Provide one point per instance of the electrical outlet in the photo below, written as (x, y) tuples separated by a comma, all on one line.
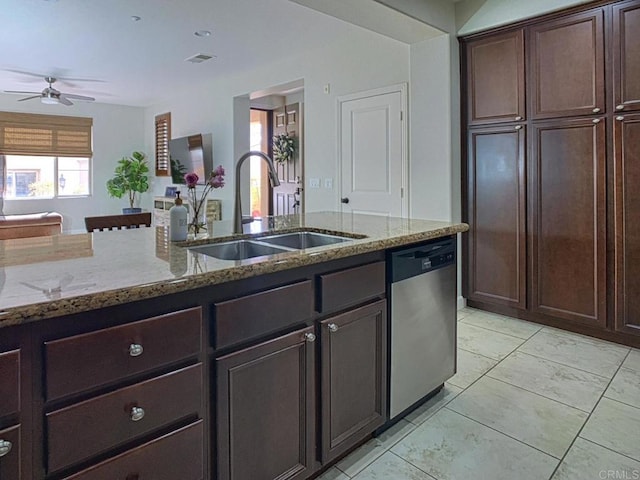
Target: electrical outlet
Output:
[(328, 183), (327, 88), (314, 183)]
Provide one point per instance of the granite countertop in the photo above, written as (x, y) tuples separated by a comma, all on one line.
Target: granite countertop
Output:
[(45, 277)]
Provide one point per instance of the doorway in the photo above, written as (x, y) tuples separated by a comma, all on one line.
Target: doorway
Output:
[(260, 131)]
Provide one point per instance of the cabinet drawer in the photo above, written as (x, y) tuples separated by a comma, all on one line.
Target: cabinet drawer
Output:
[(94, 426), (244, 318), (10, 461), (350, 287), (9, 383), (98, 358), (178, 455)]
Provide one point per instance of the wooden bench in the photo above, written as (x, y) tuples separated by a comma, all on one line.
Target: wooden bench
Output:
[(118, 222), (30, 225)]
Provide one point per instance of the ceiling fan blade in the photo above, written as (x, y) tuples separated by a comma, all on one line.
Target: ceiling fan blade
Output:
[(21, 93), (78, 97), (29, 98), (57, 73), (65, 101)]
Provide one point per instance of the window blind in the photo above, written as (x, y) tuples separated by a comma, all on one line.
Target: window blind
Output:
[(55, 135), (163, 135)]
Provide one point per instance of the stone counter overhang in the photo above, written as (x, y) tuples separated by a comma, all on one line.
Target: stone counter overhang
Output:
[(46, 277)]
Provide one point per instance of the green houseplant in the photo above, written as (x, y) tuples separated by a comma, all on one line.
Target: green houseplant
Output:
[(130, 177)]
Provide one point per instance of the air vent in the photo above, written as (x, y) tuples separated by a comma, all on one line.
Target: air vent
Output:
[(199, 58)]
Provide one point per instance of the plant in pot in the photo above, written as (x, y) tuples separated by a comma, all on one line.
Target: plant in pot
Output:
[(130, 178)]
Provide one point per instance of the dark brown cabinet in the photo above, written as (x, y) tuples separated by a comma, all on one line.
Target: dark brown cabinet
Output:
[(627, 220), (495, 79), (566, 66), (626, 61), (353, 378), (568, 230), (266, 410), (497, 206)]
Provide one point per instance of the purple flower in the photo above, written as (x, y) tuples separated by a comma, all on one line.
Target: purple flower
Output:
[(191, 179), (216, 182), (219, 171)]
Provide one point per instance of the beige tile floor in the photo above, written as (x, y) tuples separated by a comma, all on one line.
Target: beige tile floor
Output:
[(528, 403)]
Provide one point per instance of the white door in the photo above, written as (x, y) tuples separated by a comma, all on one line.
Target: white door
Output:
[(373, 152)]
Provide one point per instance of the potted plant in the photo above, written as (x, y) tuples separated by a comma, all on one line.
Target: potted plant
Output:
[(130, 177)]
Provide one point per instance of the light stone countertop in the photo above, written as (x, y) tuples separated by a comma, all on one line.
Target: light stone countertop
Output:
[(46, 277)]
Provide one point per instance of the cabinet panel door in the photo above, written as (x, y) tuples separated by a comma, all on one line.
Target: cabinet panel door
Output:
[(566, 64), (626, 61), (497, 216), (354, 392), (495, 79), (568, 231), (266, 410), (627, 219), (10, 461)]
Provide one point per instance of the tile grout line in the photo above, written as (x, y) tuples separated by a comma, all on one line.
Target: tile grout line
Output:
[(479, 354), (621, 403), (609, 449), (589, 417), (502, 433), (501, 333), (561, 364), (414, 466)]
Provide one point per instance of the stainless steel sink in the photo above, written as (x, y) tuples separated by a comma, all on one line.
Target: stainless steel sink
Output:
[(237, 250), (303, 240)]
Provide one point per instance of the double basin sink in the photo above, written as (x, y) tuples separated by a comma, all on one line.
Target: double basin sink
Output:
[(269, 245)]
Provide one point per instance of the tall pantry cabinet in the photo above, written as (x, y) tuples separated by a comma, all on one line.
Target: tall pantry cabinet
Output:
[(552, 158)]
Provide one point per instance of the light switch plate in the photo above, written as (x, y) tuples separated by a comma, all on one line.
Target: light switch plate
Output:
[(328, 183), (314, 183)]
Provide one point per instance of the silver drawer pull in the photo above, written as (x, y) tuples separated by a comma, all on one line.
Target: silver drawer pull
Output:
[(332, 327), (518, 118), (596, 120), (135, 350), (596, 110), (137, 414), (620, 107), (5, 447), (518, 127), (310, 337), (620, 118)]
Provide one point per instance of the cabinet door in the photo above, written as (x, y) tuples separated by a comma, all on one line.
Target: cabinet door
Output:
[(627, 220), (567, 230), (353, 385), (266, 410), (496, 270), (495, 79), (626, 61), (566, 65)]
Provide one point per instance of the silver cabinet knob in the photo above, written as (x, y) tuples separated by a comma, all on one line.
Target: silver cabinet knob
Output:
[(135, 350), (596, 110), (518, 127), (518, 118), (619, 118), (596, 120), (137, 414), (620, 107), (332, 327), (310, 337), (5, 447)]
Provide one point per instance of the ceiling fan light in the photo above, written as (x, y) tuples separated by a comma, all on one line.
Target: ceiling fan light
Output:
[(49, 100)]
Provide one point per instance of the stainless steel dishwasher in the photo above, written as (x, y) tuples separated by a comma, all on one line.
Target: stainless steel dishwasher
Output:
[(423, 322)]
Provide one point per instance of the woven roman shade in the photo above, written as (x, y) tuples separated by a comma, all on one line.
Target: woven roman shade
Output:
[(33, 134), (163, 135)]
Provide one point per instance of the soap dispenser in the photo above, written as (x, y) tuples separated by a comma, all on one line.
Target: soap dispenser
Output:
[(178, 221)]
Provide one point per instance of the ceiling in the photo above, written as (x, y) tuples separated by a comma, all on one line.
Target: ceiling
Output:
[(125, 62)]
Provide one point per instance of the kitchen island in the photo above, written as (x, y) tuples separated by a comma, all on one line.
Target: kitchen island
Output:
[(129, 356)]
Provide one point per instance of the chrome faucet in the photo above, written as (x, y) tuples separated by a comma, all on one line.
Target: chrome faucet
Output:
[(273, 179)]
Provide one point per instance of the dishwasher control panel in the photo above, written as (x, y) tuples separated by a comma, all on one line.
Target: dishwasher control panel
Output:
[(423, 258)]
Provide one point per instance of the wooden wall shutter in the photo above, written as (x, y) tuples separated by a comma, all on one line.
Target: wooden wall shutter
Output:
[(34, 134), (163, 135)]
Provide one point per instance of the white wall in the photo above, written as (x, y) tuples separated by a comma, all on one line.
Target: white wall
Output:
[(476, 15), (347, 57), (117, 132)]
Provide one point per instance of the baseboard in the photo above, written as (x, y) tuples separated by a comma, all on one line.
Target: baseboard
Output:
[(462, 302)]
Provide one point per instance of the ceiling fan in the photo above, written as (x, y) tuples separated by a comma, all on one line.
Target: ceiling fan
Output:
[(51, 96)]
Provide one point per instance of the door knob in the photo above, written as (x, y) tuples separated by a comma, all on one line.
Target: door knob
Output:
[(345, 200)]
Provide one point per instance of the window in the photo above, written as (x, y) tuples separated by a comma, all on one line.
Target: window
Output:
[(46, 177), (45, 156), (163, 135)]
